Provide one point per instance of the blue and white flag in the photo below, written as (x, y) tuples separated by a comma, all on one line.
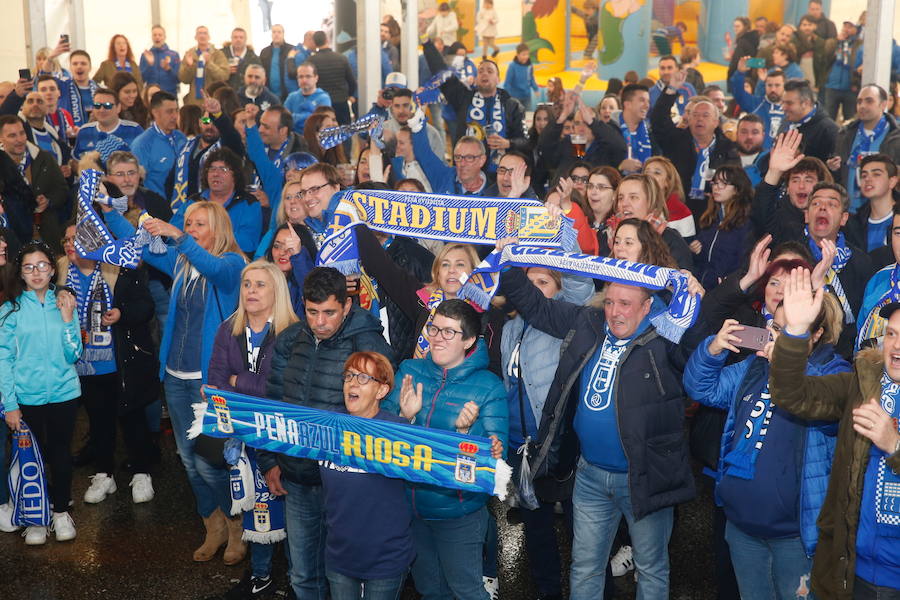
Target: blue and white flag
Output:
[(684, 308), (27, 480), (418, 454)]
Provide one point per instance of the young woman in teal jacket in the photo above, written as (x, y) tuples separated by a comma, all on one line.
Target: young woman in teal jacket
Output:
[(40, 341), (205, 264)]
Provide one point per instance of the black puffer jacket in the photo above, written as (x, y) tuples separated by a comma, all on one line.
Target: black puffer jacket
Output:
[(416, 260), (309, 373), (819, 134), (648, 396)]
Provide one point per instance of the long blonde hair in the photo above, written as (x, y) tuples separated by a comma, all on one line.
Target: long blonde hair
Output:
[(220, 223), (282, 312)]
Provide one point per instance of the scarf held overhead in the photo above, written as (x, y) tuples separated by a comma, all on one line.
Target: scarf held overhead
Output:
[(418, 454), (332, 136), (683, 310)]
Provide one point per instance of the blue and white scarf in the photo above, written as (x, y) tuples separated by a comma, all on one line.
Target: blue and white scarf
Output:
[(776, 117), (430, 91), (418, 454), (332, 136), (97, 337), (183, 168), (460, 219), (873, 323), (477, 118), (27, 480), (199, 75), (671, 324), (263, 512), (804, 120), (844, 253), (741, 460), (80, 113), (887, 483), (639, 146), (764, 311), (698, 179), (169, 137), (864, 143)]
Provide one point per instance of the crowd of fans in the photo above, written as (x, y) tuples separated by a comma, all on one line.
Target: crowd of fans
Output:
[(775, 196)]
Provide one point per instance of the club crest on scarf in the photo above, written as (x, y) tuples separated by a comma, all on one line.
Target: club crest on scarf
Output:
[(27, 480)]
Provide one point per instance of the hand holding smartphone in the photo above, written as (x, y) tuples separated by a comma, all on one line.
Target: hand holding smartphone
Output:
[(753, 338)]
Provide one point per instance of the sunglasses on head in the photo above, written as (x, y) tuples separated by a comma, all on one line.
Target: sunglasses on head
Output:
[(106, 105)]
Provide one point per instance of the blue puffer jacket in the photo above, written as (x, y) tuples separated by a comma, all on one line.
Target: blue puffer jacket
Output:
[(443, 395), (223, 278), (38, 351), (708, 383)]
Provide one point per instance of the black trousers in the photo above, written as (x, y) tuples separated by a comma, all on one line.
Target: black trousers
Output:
[(99, 396), (52, 425)]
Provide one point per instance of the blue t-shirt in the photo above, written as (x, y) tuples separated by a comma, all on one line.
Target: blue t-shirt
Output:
[(87, 99), (368, 520), (90, 135), (876, 234)]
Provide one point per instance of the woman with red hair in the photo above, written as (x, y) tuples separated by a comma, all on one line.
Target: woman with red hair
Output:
[(119, 58)]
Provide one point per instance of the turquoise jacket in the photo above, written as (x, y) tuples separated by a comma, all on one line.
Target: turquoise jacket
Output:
[(38, 352)]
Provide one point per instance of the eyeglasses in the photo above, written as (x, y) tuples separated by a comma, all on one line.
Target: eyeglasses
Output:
[(504, 170), (311, 190), (598, 186), (458, 158), (106, 105), (42, 267), (67, 240), (362, 378), (205, 120), (446, 332), (124, 174), (579, 178), (297, 196), (220, 168)]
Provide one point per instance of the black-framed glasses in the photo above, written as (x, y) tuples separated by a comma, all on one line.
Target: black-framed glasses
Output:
[(504, 170), (599, 186), (447, 333), (466, 157), (42, 267), (106, 105), (311, 190), (361, 378)]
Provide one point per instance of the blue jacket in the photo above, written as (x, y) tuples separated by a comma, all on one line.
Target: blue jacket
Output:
[(840, 75), (38, 352), (707, 382), (158, 157), (166, 80), (302, 106), (443, 396), (441, 176), (519, 80), (222, 275), (723, 252), (756, 103), (245, 213)]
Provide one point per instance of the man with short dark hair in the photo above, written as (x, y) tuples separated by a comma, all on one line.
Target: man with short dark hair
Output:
[(77, 92), (667, 67), (868, 227), (42, 134), (105, 124), (750, 141), (308, 96), (801, 112), (767, 106), (400, 109), (159, 146), (254, 90), (873, 130), (825, 28), (59, 118), (307, 369), (335, 77), (239, 56), (274, 58), (632, 124)]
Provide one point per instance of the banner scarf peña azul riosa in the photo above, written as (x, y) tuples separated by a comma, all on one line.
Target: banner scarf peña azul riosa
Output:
[(418, 454)]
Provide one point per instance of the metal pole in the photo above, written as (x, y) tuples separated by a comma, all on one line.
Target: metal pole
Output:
[(410, 43), (878, 43)]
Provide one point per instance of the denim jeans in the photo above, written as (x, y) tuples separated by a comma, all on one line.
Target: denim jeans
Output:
[(449, 557), (210, 484), (261, 556), (599, 501), (863, 590), (765, 569), (305, 522), (351, 588)]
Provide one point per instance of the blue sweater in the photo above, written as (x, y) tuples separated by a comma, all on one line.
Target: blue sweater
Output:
[(302, 106), (38, 352), (157, 156), (708, 381), (520, 79), (222, 276)]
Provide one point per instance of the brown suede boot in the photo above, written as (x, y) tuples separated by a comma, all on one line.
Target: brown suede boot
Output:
[(236, 549), (216, 536)]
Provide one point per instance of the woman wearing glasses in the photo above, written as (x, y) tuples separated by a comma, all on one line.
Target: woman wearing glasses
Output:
[(368, 545), (601, 200), (205, 264), (40, 342), (240, 362), (451, 389)]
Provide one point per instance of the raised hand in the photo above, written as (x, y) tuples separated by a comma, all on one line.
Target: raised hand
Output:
[(587, 71), (568, 107), (785, 153), (252, 111), (565, 187), (410, 398), (759, 260), (801, 305), (820, 271), (466, 417), (871, 421), (65, 302), (292, 244), (504, 242), (210, 104), (148, 56), (520, 181), (679, 77), (160, 227), (496, 447), (725, 339), (742, 64), (695, 288)]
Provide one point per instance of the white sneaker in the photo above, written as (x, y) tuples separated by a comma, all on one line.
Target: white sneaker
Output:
[(492, 587), (35, 536), (141, 488), (63, 526), (101, 486), (6, 518), (622, 562)]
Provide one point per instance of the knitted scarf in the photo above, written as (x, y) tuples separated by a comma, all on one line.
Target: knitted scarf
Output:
[(92, 303), (873, 324), (844, 253)]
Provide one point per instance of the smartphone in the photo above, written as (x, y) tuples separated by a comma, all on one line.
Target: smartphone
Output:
[(64, 38), (754, 338), (756, 63), (25, 74)]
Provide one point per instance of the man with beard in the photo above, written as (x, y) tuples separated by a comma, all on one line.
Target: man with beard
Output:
[(240, 56), (750, 141), (255, 91), (41, 133), (401, 108), (768, 107)]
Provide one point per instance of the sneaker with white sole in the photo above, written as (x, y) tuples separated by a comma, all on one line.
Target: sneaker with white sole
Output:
[(101, 486), (622, 562), (35, 536), (6, 518), (141, 488), (63, 526), (492, 587)]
